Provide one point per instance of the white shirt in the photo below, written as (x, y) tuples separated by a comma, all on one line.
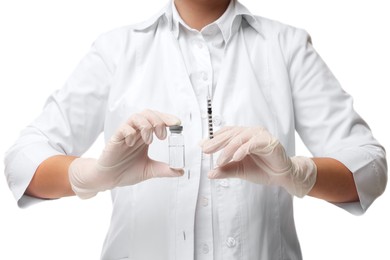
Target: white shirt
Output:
[(270, 76), (203, 53)]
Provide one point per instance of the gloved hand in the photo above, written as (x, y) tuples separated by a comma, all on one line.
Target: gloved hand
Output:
[(253, 154), (124, 160)]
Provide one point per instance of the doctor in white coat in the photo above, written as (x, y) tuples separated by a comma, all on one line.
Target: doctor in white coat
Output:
[(266, 82)]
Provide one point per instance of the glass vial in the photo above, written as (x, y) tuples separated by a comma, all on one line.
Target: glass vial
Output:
[(176, 147)]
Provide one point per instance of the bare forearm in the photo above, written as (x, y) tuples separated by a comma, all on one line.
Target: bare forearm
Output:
[(51, 180), (334, 183)]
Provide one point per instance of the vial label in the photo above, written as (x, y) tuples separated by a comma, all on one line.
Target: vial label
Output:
[(176, 156)]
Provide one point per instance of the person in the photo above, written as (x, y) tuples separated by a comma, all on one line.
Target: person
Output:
[(266, 82)]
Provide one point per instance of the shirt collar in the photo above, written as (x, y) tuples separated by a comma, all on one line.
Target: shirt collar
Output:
[(228, 23)]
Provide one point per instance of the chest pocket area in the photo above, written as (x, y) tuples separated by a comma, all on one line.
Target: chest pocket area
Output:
[(242, 96)]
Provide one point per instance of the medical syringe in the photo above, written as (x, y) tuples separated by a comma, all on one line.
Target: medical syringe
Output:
[(210, 126)]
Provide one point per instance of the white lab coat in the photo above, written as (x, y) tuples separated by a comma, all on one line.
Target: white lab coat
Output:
[(271, 77)]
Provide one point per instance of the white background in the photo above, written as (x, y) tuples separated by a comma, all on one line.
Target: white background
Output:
[(42, 41)]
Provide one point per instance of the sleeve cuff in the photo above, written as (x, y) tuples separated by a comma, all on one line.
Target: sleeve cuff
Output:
[(369, 173), (22, 167)]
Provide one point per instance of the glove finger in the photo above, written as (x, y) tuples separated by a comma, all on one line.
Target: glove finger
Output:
[(140, 123), (271, 151), (247, 170), (124, 133), (159, 126), (230, 170), (157, 169), (219, 132), (254, 145), (168, 119), (220, 140), (263, 143), (235, 145), (224, 129), (130, 135)]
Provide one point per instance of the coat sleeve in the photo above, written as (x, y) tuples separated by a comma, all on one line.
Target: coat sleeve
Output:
[(328, 124), (71, 120)]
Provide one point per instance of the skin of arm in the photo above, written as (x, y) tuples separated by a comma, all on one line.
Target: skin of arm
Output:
[(51, 180), (334, 181)]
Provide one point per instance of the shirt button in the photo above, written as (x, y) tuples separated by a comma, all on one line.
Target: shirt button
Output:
[(217, 120), (199, 44), (205, 76), (205, 249), (224, 183), (205, 202), (230, 242)]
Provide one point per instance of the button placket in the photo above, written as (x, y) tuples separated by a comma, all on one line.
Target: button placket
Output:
[(231, 242), (205, 76), (224, 183), (217, 120), (201, 75), (205, 249), (205, 201), (198, 42)]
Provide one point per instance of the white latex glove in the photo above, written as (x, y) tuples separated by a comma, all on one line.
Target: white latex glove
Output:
[(253, 154), (124, 161)]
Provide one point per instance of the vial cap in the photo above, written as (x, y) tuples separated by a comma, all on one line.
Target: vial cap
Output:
[(176, 129)]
